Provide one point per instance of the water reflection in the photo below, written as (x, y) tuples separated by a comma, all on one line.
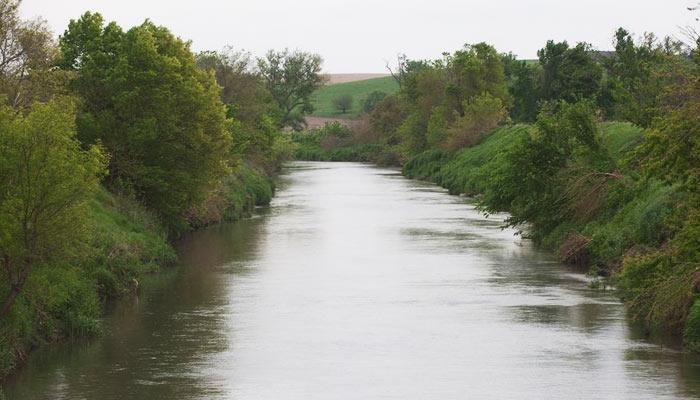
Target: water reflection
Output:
[(358, 283)]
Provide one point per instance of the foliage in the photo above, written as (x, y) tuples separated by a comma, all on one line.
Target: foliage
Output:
[(569, 73), (343, 103), (46, 179), (371, 101), (27, 51), (62, 298), (523, 85), (482, 115), (157, 114), (291, 78), (333, 142), (639, 73)]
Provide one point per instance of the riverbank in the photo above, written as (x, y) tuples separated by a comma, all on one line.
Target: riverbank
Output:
[(354, 266), (66, 300), (592, 207)]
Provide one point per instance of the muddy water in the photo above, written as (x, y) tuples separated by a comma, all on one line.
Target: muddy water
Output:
[(360, 284)]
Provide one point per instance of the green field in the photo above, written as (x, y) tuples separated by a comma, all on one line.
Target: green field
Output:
[(323, 98)]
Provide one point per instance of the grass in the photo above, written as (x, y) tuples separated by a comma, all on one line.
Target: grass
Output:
[(463, 172), (64, 299), (323, 97)]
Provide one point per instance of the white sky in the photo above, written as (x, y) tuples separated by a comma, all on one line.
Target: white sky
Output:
[(362, 35)]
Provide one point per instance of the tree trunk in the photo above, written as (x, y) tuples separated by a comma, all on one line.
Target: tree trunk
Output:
[(15, 290), (10, 301)]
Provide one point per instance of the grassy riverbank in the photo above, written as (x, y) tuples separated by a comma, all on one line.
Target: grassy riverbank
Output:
[(595, 209), (593, 155), (66, 300)]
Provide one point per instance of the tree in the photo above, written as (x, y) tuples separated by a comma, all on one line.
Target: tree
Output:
[(372, 99), (158, 114), (639, 73), (291, 78), (248, 103), (343, 103), (475, 70), (522, 79), (569, 74), (46, 180), (481, 115), (387, 117), (27, 51), (529, 181)]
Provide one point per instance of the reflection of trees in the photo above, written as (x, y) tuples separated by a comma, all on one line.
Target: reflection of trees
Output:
[(158, 344)]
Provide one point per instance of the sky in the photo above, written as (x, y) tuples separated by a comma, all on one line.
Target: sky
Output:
[(362, 36)]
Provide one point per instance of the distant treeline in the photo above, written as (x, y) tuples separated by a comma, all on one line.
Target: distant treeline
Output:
[(596, 154), (113, 142)]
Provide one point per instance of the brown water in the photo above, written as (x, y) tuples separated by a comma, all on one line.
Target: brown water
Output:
[(360, 284)]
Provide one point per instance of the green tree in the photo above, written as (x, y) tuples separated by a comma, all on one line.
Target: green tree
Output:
[(291, 78), (475, 70), (27, 51), (248, 103), (639, 73), (343, 103), (523, 80), (158, 115), (371, 101), (47, 180), (482, 114), (569, 73), (387, 117), (529, 183)]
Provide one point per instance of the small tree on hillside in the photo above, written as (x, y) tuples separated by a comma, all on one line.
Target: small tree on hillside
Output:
[(343, 103), (372, 100)]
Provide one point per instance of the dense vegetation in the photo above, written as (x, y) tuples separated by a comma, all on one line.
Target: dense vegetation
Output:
[(591, 153), (114, 142)]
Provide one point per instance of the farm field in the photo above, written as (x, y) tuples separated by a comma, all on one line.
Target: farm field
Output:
[(323, 98)]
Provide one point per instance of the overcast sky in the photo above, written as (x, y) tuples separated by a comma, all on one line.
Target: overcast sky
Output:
[(362, 35)]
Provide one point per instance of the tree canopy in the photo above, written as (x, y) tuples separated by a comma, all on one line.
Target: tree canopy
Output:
[(46, 180), (291, 78), (157, 114)]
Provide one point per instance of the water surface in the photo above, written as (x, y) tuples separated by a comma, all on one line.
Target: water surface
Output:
[(360, 284)]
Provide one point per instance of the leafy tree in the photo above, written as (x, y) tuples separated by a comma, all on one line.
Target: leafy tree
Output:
[(291, 78), (343, 103), (27, 51), (387, 117), (475, 70), (569, 74), (46, 180), (371, 101), (248, 103), (529, 183), (523, 87), (157, 114), (243, 90), (638, 75), (481, 115)]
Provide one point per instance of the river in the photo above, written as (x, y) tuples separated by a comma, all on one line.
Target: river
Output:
[(360, 284)]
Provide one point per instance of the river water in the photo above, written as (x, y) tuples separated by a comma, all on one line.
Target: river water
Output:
[(360, 284)]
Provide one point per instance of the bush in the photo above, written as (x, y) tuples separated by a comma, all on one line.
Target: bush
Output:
[(481, 115), (691, 333)]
